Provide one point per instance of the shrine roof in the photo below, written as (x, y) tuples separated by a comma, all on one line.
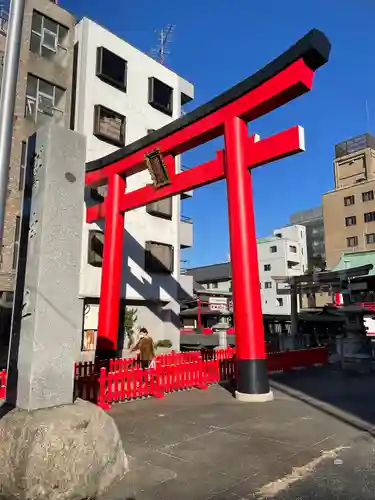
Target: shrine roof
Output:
[(357, 259)]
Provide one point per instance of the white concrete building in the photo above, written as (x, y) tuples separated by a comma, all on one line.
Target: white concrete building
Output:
[(121, 95), (281, 255)]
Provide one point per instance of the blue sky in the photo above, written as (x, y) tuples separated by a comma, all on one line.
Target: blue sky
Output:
[(218, 43)]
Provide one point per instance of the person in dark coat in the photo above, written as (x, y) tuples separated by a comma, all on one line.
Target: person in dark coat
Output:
[(145, 346)]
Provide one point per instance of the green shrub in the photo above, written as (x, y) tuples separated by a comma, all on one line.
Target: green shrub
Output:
[(130, 319)]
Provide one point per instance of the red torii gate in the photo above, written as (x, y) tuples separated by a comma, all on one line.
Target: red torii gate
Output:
[(282, 80)]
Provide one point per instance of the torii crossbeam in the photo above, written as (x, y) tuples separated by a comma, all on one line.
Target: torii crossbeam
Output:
[(282, 80)]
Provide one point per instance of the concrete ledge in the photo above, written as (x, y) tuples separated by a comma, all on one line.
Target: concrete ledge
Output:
[(254, 398)]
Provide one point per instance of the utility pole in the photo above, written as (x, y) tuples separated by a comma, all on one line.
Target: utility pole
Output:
[(8, 97)]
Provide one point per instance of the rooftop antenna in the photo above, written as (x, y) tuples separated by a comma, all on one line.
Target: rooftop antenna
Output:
[(165, 37)]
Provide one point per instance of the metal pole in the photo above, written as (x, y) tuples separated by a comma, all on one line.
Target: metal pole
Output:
[(8, 97)]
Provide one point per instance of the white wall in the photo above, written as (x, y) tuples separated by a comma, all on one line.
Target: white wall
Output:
[(292, 236), (140, 116)]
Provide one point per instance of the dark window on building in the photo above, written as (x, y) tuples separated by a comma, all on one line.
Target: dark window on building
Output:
[(352, 241), (292, 248), (21, 178), (368, 196), (351, 221), (273, 249), (48, 38), (369, 217), (16, 242), (95, 248), (109, 126), (278, 235), (158, 258), (370, 238), (160, 96), (268, 284), (161, 208), (349, 200), (279, 301), (111, 68), (267, 267)]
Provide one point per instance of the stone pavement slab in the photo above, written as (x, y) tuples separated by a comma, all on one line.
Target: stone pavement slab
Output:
[(206, 445)]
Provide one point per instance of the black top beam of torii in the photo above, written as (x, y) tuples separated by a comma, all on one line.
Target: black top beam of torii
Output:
[(314, 48)]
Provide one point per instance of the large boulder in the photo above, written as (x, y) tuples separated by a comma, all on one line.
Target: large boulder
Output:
[(63, 453)]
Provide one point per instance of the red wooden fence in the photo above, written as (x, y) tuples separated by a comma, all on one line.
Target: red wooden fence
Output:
[(3, 383), (124, 380), (112, 380)]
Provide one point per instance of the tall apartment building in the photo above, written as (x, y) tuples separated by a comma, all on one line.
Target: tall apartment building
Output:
[(349, 210), (313, 221), (43, 95), (279, 256), (121, 94)]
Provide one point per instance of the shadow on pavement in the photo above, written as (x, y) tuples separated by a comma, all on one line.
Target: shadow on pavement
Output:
[(336, 393)]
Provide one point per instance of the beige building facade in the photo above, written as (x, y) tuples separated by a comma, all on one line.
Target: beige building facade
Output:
[(43, 95), (349, 210)]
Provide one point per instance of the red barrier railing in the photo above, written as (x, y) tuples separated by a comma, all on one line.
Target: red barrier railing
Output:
[(3, 383), (111, 380), (181, 371), (291, 360)]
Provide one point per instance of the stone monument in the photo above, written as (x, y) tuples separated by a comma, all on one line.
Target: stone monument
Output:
[(50, 446)]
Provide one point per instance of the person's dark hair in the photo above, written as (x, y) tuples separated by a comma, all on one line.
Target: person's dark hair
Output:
[(143, 330)]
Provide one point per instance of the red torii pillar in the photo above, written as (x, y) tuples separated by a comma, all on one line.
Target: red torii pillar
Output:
[(279, 82)]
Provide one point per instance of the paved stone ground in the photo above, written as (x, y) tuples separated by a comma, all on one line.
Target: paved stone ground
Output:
[(313, 441)]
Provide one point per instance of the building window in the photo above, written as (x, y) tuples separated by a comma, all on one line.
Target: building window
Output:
[(88, 340), (370, 238), (273, 249), (279, 301), (369, 217), (278, 235), (109, 126), (44, 101), (160, 96), (349, 200), (16, 242), (111, 68), (268, 284), (214, 285), (267, 267), (21, 178), (351, 221), (352, 241), (368, 196), (48, 38), (95, 248), (158, 257), (292, 248), (161, 208)]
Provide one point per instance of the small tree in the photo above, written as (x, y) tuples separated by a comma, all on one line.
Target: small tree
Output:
[(130, 319)]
